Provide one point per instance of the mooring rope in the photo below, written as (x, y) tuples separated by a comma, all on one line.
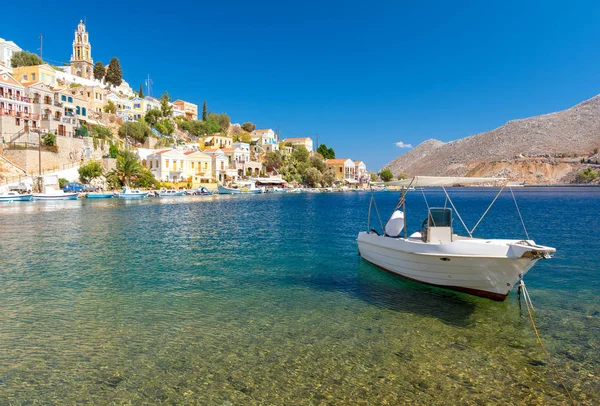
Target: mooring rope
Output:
[(519, 211), (530, 310)]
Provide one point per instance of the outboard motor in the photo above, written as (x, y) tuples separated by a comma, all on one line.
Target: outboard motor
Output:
[(395, 224)]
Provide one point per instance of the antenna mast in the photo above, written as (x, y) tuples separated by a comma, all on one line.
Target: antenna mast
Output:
[(149, 86), (41, 57)]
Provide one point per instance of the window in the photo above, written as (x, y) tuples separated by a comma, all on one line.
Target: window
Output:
[(43, 77), (70, 99), (340, 169), (83, 111), (192, 165), (167, 163), (18, 121), (151, 162), (137, 106), (77, 110), (89, 94), (25, 77), (33, 76), (63, 97)]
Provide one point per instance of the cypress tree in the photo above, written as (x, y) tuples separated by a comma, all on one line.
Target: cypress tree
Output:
[(99, 71), (141, 92), (114, 75), (204, 115)]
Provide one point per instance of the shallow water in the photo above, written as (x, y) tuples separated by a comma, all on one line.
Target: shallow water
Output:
[(264, 300)]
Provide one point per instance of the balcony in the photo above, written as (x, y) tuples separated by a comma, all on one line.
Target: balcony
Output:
[(58, 104), (22, 114), (34, 116)]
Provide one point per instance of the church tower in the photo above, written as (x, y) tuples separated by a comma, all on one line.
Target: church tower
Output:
[(82, 64)]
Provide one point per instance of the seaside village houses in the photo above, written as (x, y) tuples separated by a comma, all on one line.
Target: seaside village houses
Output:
[(60, 100)]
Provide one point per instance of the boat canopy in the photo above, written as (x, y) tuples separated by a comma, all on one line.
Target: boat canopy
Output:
[(442, 181)]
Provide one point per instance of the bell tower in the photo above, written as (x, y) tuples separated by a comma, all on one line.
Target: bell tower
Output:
[(82, 64)]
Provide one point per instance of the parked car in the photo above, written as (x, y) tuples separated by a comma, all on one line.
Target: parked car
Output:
[(73, 187), (89, 188)]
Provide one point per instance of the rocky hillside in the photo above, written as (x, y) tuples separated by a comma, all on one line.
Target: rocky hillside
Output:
[(542, 149)]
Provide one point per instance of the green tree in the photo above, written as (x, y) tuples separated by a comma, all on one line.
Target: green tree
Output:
[(128, 167), (328, 178), (245, 137), (165, 127), (328, 153), (273, 160), (586, 176), (90, 171), (152, 116), (99, 71), (402, 176), (248, 127), (313, 177), (82, 131), (165, 106), (99, 131), (222, 120), (24, 58), (49, 139), (136, 130), (62, 182), (373, 176), (114, 75), (301, 154), (386, 175), (110, 107), (318, 163), (204, 112), (113, 150), (145, 179), (141, 92)]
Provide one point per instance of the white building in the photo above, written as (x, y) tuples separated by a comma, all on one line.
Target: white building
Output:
[(305, 142), (7, 49)]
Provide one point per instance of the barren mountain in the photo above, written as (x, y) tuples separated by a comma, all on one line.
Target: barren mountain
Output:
[(541, 149)]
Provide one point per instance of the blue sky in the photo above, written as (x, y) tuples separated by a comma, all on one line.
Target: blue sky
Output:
[(364, 75)]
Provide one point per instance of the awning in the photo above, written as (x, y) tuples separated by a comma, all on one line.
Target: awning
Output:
[(351, 180)]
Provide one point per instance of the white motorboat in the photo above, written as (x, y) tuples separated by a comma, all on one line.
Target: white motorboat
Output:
[(52, 194), (171, 192), (13, 196), (243, 186), (435, 255), (128, 193)]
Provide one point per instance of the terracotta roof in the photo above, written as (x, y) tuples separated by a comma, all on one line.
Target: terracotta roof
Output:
[(8, 79), (358, 162), (296, 139), (262, 131), (336, 161), (163, 151), (228, 149), (188, 152)]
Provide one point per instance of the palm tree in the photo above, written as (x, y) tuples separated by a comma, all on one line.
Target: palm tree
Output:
[(128, 167)]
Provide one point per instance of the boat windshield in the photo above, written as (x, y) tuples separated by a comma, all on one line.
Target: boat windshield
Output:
[(440, 217)]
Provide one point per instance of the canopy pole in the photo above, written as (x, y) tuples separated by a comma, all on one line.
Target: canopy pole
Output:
[(456, 211), (404, 211), (489, 207)]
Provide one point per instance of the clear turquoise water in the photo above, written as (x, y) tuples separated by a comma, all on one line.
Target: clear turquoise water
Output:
[(264, 300)]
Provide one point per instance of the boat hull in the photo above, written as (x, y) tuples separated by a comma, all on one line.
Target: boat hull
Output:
[(227, 191), (16, 198), (490, 277), (100, 195), (131, 195), (57, 196)]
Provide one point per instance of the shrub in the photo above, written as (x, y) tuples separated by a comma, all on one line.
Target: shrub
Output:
[(386, 175), (49, 139), (587, 175)]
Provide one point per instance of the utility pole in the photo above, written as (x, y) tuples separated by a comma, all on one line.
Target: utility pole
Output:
[(41, 37), (317, 142)]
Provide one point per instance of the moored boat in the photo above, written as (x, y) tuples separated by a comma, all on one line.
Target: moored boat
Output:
[(99, 195), (12, 196), (435, 255), (170, 192), (56, 195), (128, 193)]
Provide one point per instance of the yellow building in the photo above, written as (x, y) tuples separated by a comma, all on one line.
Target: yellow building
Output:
[(36, 73), (343, 169), (198, 167), (82, 64), (190, 109)]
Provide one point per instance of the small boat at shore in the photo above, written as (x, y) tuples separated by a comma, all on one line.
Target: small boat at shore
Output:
[(128, 193), (243, 187), (99, 195), (12, 196), (436, 255), (56, 195), (171, 192)]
